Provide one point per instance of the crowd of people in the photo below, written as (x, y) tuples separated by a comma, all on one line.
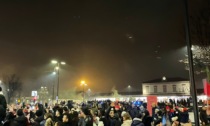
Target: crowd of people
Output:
[(96, 113)]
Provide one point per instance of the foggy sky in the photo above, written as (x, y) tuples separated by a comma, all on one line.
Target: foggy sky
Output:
[(104, 42)]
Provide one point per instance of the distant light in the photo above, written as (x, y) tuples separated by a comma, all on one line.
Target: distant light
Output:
[(54, 61), (54, 73), (89, 89), (41, 87), (82, 82), (192, 48), (130, 37), (164, 78), (63, 63), (56, 68), (129, 86)]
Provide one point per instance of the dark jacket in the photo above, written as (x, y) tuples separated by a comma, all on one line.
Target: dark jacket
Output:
[(133, 112), (3, 106), (137, 122), (21, 121), (184, 117), (3, 101), (114, 121), (203, 116)]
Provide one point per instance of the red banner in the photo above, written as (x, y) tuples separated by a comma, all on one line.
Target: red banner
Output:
[(206, 87), (151, 100)]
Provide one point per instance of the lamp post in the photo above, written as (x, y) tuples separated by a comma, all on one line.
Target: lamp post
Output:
[(58, 70), (83, 84), (53, 91), (8, 93), (129, 89)]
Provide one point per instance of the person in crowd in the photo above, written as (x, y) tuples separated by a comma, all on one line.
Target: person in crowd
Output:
[(184, 115), (59, 114), (75, 119), (85, 117), (154, 107), (103, 118), (203, 116), (113, 120), (59, 123), (3, 106), (137, 121), (65, 110), (9, 120), (21, 120), (147, 119), (49, 119), (158, 117), (133, 111), (127, 120), (66, 120)]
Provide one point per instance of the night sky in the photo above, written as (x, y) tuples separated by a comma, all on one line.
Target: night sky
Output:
[(104, 42)]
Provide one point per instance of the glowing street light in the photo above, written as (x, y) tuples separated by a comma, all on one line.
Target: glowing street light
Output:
[(129, 89), (83, 84), (54, 61), (58, 70)]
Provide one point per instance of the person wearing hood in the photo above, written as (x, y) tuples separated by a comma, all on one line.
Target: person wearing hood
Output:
[(147, 119), (137, 121), (21, 120), (127, 120), (3, 106)]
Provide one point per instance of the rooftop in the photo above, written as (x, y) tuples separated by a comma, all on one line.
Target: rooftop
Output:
[(160, 80)]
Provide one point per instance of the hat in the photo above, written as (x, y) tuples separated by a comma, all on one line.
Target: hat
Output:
[(157, 110), (123, 113), (174, 118)]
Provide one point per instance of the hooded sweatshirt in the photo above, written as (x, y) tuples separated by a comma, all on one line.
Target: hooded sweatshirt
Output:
[(137, 122)]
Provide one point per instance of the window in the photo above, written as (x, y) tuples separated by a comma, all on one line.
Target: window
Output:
[(164, 88), (155, 89), (183, 87), (147, 89), (174, 88)]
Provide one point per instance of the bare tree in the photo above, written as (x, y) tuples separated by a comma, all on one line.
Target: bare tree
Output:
[(14, 86), (200, 36)]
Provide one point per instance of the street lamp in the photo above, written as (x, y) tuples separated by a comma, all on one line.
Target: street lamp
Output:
[(58, 69), (83, 84), (8, 93), (129, 89)]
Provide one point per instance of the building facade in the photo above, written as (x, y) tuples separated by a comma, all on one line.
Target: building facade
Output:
[(170, 86)]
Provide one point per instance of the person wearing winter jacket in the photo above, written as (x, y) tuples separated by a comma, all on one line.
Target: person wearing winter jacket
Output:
[(127, 120), (21, 120), (203, 116), (137, 121)]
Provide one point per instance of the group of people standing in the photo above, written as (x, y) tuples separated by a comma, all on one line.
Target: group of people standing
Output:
[(95, 113)]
